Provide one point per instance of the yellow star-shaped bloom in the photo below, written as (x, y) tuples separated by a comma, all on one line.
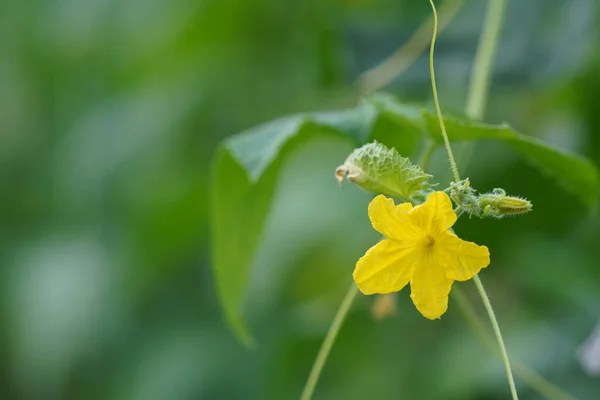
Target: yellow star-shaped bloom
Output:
[(420, 249)]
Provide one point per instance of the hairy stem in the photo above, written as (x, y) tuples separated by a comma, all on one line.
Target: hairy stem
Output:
[(498, 333), (435, 95), (399, 61), (527, 375), (334, 329)]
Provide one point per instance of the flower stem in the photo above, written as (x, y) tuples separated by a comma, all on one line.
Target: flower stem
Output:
[(399, 61), (503, 353), (334, 329), (484, 57), (526, 374), (435, 95)]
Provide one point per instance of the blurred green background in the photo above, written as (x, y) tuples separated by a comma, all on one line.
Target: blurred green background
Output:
[(110, 112)]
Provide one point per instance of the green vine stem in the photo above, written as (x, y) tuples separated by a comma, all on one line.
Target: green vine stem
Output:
[(399, 61), (484, 58), (328, 342), (529, 376), (435, 95), (498, 333), (478, 283)]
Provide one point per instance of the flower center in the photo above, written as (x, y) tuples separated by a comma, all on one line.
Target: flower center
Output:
[(427, 241)]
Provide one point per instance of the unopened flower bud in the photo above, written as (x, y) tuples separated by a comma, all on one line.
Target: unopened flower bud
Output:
[(381, 170), (498, 204)]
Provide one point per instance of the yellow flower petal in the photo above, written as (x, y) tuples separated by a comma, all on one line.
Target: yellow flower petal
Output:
[(385, 268), (429, 287), (462, 259), (388, 219), (435, 215)]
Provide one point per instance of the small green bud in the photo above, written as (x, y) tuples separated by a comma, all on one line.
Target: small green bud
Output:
[(500, 205), (496, 204), (381, 170)]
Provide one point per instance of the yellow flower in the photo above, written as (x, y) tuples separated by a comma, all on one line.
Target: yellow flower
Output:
[(420, 249)]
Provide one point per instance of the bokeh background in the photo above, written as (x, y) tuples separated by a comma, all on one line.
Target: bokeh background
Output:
[(110, 112)]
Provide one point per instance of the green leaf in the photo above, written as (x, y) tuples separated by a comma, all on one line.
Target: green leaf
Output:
[(239, 209), (245, 172), (575, 173)]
